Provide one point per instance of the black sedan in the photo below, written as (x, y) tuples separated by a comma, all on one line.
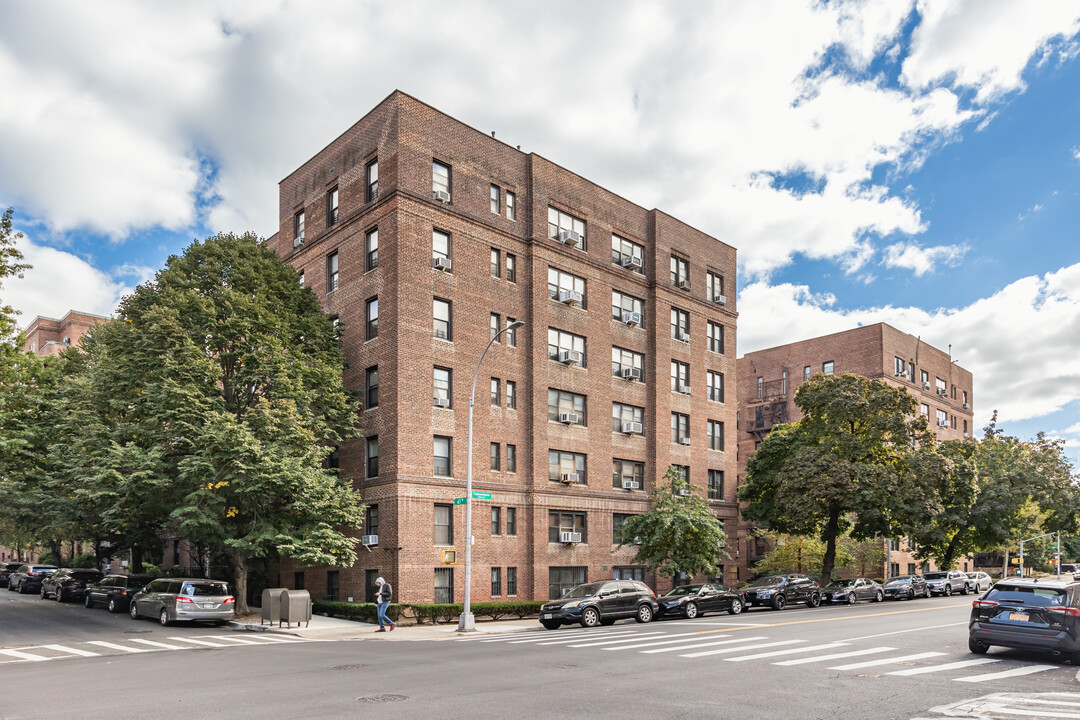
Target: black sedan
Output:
[(7, 570), (851, 591), (689, 601), (27, 579), (114, 591), (906, 587), (68, 583)]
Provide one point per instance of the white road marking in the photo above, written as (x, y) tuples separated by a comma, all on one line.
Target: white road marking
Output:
[(264, 638), (161, 645), (71, 650), (573, 640), (242, 641), (717, 624), (701, 645), (546, 638), (901, 632), (653, 643), (1015, 672), (199, 642), (942, 668), (114, 646), (789, 651), (722, 651), (23, 655), (656, 636), (835, 656), (886, 661)]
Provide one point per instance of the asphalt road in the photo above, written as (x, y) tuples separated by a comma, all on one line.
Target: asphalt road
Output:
[(799, 663)]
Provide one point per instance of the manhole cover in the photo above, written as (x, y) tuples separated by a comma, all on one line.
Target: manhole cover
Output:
[(354, 666), (377, 699)]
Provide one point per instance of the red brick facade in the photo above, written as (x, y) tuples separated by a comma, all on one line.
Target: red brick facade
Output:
[(46, 336)]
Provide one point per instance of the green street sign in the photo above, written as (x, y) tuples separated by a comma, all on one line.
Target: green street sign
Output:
[(481, 495), (459, 501)]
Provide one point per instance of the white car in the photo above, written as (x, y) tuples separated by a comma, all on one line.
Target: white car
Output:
[(980, 580)]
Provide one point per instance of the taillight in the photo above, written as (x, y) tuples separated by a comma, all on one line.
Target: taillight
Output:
[(182, 599), (123, 592), (983, 604), (228, 601), (1074, 612)]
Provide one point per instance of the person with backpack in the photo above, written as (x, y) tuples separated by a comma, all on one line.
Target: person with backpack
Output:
[(382, 601)]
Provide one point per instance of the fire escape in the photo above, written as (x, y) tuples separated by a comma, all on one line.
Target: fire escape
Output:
[(769, 407)]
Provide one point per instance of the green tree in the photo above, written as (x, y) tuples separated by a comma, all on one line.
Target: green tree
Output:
[(844, 467), (679, 534), (796, 553), (11, 265)]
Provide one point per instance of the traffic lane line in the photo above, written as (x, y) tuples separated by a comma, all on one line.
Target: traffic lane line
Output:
[(831, 619)]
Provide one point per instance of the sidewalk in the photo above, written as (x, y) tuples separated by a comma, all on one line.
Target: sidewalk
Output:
[(328, 628)]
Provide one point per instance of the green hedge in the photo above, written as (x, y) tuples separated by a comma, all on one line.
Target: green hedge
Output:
[(426, 613)]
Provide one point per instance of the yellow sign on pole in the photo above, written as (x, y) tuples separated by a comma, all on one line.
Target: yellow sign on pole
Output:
[(449, 556)]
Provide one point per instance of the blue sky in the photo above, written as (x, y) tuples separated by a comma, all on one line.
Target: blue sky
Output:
[(916, 163)]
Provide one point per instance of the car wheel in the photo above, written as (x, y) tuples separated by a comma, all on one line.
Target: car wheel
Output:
[(60, 595), (44, 595), (22, 588), (133, 610), (644, 613), (590, 617), (850, 599), (87, 602), (736, 607), (948, 591), (164, 617), (977, 646), (112, 605), (926, 592), (690, 611), (964, 590), (814, 600), (550, 625), (879, 596), (779, 602)]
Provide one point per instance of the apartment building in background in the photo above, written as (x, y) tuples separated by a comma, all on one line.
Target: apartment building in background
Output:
[(426, 237), (768, 379), (48, 336)]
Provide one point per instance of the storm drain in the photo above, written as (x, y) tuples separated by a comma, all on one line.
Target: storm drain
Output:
[(379, 699)]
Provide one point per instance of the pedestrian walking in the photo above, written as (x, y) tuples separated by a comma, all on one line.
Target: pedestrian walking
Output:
[(382, 601)]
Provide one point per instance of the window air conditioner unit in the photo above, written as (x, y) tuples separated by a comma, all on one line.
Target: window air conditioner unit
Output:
[(442, 402), (569, 418), (632, 428), (682, 492), (569, 237), (369, 540), (297, 241), (631, 373), (900, 373), (942, 423), (684, 441), (441, 263), (632, 319), (681, 335), (926, 386), (441, 195), (570, 357), (942, 392), (684, 389), (569, 478), (570, 297), (570, 537), (683, 284), (965, 435), (720, 299), (967, 406), (629, 261), (629, 484)]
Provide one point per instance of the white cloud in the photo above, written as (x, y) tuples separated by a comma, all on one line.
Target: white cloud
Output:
[(1076, 153), (1021, 378), (140, 273), (922, 260)]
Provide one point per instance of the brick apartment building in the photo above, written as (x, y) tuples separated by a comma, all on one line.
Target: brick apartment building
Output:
[(48, 336), (427, 236), (768, 379)]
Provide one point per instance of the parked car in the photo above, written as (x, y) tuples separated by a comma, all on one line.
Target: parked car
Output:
[(689, 601), (779, 591), (980, 581), (1031, 614), (183, 600), (68, 583), (947, 582), (27, 578), (7, 570), (115, 591), (906, 587), (851, 591), (601, 603)]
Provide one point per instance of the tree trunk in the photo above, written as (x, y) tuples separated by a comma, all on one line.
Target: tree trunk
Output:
[(240, 572), (950, 552), (56, 547), (832, 529), (136, 559)]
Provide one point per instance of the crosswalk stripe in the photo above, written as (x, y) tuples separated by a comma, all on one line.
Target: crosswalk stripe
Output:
[(578, 639), (1015, 672), (886, 661), (654, 636), (199, 642), (942, 668), (789, 651), (834, 656), (71, 650), (163, 646), (722, 651), (568, 638), (701, 645), (275, 638), (23, 655), (653, 643), (242, 641), (114, 646)]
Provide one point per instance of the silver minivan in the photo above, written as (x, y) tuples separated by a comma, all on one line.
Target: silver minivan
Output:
[(184, 599)]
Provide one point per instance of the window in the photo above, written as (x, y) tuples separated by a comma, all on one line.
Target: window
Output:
[(496, 392), (371, 249), (371, 386), (372, 454), (440, 247), (561, 579), (963, 396), (680, 428), (496, 580), (511, 206), (371, 520), (827, 367), (559, 342), (924, 410), (511, 517), (621, 303), (716, 485), (496, 455), (716, 338), (622, 414), (561, 284), (562, 463), (714, 287), (560, 222), (511, 581), (444, 585), (298, 580), (333, 584), (371, 181), (899, 367), (684, 476), (495, 324), (332, 272), (440, 181), (496, 207), (924, 377), (714, 386), (680, 324), (442, 456), (628, 254), (372, 315), (301, 285), (806, 373), (942, 418), (760, 387), (444, 524), (561, 401), (511, 395), (617, 520), (298, 229), (562, 521), (332, 207), (442, 387), (496, 521), (623, 359), (511, 268), (443, 326), (496, 263), (716, 435), (511, 467), (680, 376), (630, 572), (511, 332), (627, 470), (370, 590), (965, 428), (680, 272), (940, 386)]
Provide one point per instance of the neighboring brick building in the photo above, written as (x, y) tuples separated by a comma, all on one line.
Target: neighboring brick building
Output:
[(423, 235), (768, 379), (47, 336)]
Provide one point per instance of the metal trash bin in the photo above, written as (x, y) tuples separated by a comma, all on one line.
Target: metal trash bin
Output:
[(295, 607), (271, 604)]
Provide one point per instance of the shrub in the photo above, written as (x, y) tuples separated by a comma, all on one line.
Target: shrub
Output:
[(426, 613), (46, 559), (84, 561)]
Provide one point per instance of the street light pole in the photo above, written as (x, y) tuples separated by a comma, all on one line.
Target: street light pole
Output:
[(467, 623)]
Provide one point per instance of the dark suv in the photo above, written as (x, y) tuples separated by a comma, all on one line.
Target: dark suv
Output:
[(114, 591), (27, 578), (68, 583), (1032, 614), (906, 587), (779, 591), (601, 603), (7, 570)]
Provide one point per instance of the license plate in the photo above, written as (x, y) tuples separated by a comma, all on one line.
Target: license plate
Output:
[(1018, 616), (207, 606), (547, 616)]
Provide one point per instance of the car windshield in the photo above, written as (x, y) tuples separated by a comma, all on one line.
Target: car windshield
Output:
[(684, 590), (583, 591), (205, 588), (1028, 595), (86, 575), (898, 581), (936, 576), (973, 575), (770, 580), (841, 583)]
